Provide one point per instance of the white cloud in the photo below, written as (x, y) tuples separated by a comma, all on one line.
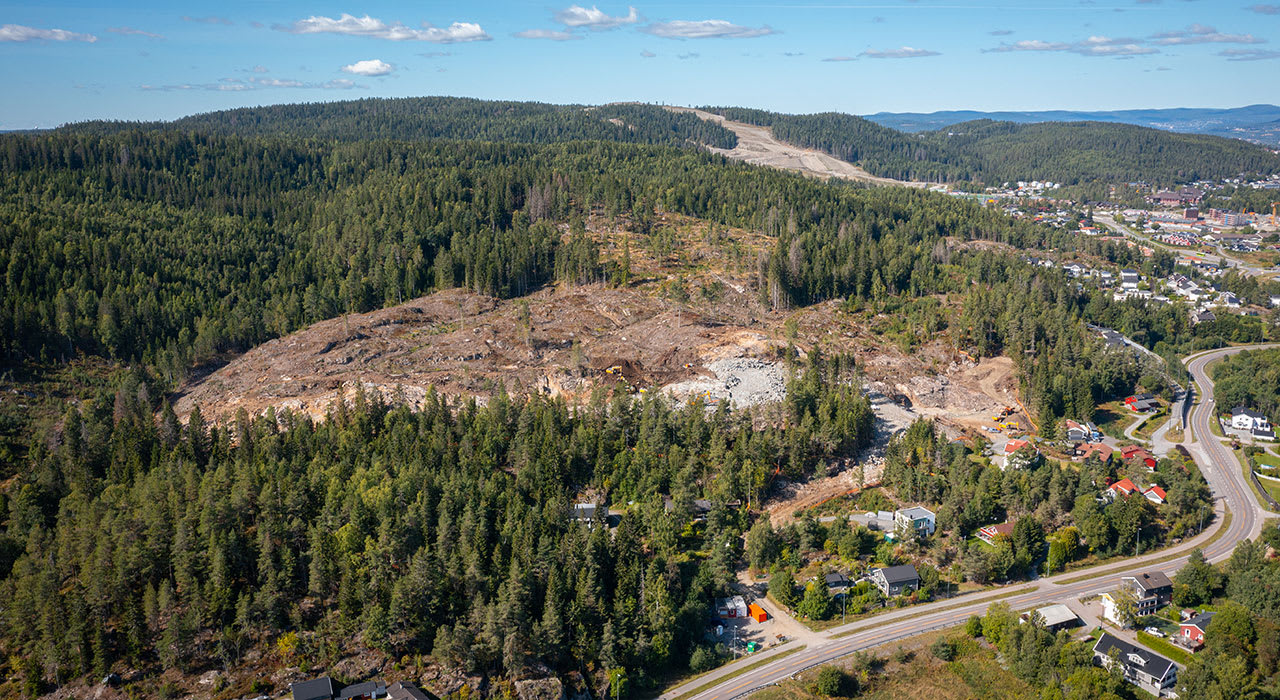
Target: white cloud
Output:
[(1265, 9), (1093, 46), (255, 83), (211, 19), (370, 67), (18, 32), (1248, 54), (130, 31), (1203, 34), (901, 52), (259, 69), (578, 16), (647, 54), (1000, 32), (705, 29), (549, 34), (840, 59), (396, 31), (687, 56)]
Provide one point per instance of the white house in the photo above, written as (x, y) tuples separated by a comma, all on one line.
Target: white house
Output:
[(1248, 419), (916, 520)]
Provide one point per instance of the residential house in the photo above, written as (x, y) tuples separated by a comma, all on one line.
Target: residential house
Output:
[(1155, 494), (896, 580), (1141, 403), (1228, 300), (991, 533), (1248, 419), (916, 520), (1133, 453), (1191, 631), (368, 690), (1203, 316), (1014, 445), (1101, 450), (1113, 339), (837, 583), (315, 689), (1081, 432), (1075, 269), (1129, 279), (1123, 487), (405, 690), (1153, 590), (1145, 669)]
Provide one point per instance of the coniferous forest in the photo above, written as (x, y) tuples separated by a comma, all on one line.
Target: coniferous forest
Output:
[(132, 539)]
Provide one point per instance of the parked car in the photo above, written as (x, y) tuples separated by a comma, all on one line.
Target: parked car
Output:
[(1154, 632)]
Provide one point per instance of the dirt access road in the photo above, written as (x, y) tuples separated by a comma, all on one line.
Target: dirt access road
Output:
[(757, 145)]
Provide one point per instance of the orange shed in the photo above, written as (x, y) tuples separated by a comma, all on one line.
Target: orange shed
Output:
[(757, 613)]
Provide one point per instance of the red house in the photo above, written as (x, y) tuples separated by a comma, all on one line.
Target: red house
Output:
[(1155, 494), (1191, 632), (1014, 445), (1123, 487), (1133, 452)]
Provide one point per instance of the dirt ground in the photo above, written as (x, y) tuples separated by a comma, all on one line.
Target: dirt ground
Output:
[(690, 324), (756, 144)]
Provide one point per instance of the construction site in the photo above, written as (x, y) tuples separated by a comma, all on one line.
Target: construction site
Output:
[(690, 326)]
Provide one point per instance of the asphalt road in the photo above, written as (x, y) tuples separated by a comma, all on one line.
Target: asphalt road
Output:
[(1221, 470)]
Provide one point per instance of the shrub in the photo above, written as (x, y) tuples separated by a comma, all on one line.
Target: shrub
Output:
[(832, 682), (944, 649), (973, 627)]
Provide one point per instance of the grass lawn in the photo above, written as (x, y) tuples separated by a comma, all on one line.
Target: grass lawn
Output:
[(975, 673), (1113, 418), (1164, 648), (1153, 423), (1267, 459)]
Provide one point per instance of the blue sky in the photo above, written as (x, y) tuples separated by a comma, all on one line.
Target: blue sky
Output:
[(146, 59)]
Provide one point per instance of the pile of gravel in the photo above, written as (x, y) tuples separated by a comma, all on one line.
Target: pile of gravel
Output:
[(742, 381)]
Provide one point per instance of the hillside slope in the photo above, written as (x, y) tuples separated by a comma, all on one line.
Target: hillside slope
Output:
[(451, 118), (994, 152)]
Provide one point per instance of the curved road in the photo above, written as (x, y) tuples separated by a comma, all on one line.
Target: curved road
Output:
[(1221, 470)]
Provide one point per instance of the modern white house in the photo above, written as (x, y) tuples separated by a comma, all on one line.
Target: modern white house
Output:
[(916, 520)]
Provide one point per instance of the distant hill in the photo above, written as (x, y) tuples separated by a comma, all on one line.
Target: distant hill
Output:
[(993, 152), (1259, 123), (446, 118)]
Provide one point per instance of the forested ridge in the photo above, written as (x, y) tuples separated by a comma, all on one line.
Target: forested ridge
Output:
[(994, 152), (445, 118), (446, 530)]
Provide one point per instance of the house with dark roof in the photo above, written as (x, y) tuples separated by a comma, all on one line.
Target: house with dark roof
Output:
[(1153, 590), (837, 583), (1145, 669), (368, 690), (896, 580), (321, 688), (1141, 403), (405, 690)]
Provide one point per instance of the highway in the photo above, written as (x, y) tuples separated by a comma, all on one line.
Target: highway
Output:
[(1222, 472)]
